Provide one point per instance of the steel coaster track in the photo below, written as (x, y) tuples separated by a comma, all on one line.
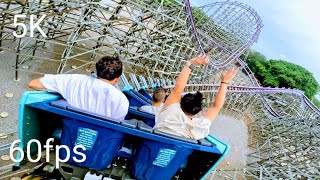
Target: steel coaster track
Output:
[(248, 70), (261, 90)]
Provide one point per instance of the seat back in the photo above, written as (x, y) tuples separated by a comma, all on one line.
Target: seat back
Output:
[(102, 144), (134, 100), (158, 161), (144, 93), (142, 97)]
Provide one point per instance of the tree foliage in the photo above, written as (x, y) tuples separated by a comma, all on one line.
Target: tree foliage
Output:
[(200, 17), (316, 102), (279, 73), (168, 3)]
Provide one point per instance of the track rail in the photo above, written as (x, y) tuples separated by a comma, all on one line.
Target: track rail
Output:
[(211, 88)]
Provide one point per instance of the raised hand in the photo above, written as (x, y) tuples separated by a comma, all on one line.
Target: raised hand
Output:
[(226, 76), (199, 60)]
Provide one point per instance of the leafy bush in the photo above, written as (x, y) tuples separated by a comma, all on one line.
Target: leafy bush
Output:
[(279, 73), (168, 3)]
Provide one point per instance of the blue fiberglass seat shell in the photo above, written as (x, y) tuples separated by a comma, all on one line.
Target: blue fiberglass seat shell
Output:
[(102, 144), (135, 98), (158, 161), (142, 96), (145, 93), (153, 160), (40, 110)]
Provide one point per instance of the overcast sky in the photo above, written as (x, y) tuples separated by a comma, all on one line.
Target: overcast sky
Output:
[(291, 30)]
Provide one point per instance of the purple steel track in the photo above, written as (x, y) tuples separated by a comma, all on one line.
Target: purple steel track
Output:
[(259, 90), (235, 56), (239, 51)]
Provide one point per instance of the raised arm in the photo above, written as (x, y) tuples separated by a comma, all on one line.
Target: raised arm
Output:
[(213, 111), (182, 79)]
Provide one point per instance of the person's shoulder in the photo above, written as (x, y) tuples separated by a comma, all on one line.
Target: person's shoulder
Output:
[(74, 76), (173, 106), (172, 110), (119, 94), (66, 77), (124, 98), (201, 120), (82, 76)]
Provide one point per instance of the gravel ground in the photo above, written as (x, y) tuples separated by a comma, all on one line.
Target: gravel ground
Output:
[(10, 105), (233, 132)]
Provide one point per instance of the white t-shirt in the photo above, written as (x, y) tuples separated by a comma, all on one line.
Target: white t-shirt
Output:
[(151, 109), (88, 93), (174, 121)]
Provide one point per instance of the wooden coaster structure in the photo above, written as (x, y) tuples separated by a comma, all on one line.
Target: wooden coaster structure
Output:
[(154, 39)]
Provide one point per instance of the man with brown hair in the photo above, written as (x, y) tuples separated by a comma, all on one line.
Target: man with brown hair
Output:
[(97, 95), (158, 98)]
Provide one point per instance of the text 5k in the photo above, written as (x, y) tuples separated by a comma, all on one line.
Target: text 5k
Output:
[(32, 26)]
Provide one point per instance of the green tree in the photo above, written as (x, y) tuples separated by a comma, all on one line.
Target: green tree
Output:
[(279, 73), (316, 102), (253, 55), (199, 16), (168, 3)]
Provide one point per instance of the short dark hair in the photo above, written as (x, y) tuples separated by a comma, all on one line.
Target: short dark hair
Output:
[(159, 95), (109, 68), (192, 103)]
